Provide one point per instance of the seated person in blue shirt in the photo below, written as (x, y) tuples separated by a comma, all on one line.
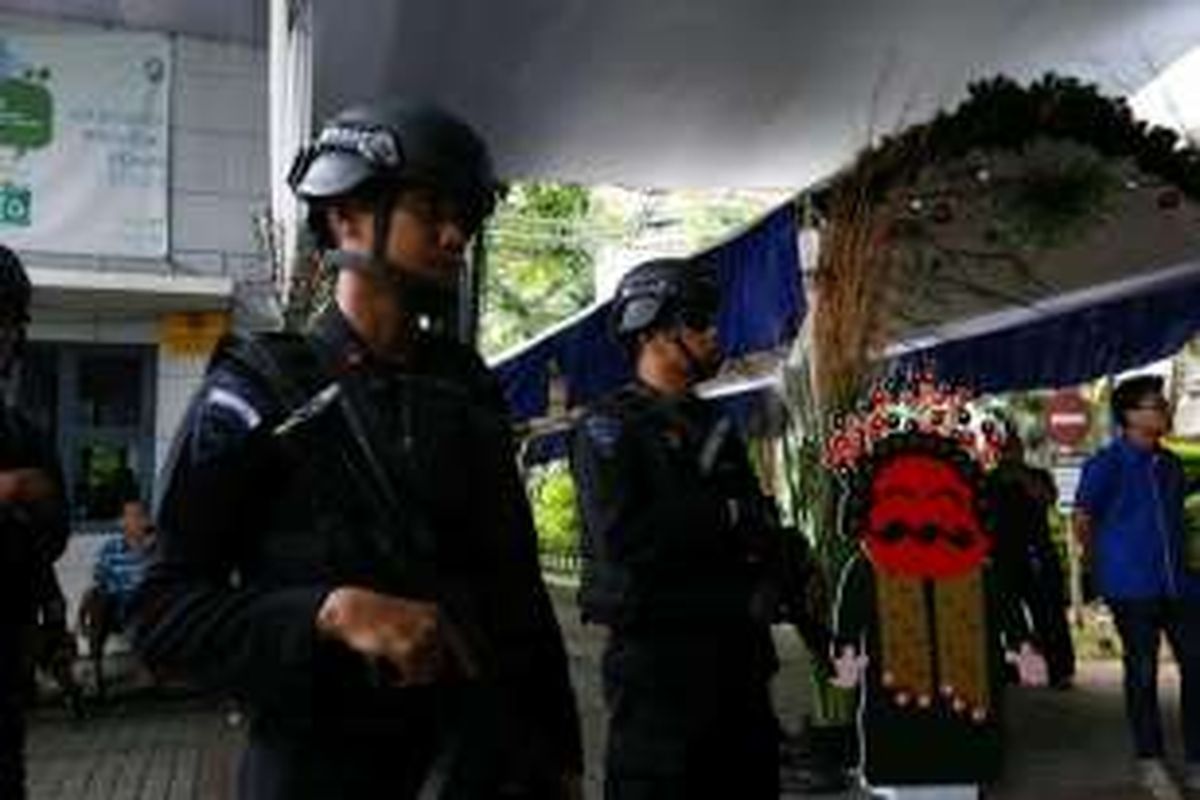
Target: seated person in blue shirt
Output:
[(120, 567), (1129, 521)]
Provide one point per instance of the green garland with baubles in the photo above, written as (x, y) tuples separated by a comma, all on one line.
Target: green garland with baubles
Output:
[(1001, 114)]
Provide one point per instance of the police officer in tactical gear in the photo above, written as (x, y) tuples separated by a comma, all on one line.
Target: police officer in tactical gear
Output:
[(33, 524), (672, 515), (344, 541)]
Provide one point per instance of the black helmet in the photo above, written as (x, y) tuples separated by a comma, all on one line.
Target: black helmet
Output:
[(662, 293), (15, 289), (398, 143)]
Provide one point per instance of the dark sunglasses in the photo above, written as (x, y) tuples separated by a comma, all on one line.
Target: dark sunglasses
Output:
[(1152, 405), (698, 319), (434, 207)]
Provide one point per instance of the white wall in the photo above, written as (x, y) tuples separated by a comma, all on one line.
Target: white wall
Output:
[(218, 160), (219, 182), (178, 377), (219, 157)]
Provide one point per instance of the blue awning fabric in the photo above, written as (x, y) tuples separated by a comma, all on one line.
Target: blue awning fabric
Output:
[(762, 306), (1073, 345)]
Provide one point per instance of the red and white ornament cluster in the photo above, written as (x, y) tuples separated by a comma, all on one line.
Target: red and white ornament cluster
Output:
[(915, 404)]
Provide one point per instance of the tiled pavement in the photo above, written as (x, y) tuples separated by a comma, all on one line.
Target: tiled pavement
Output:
[(1073, 745), (1064, 745), (140, 748)]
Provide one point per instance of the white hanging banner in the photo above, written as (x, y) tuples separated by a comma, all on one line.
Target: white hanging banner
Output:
[(290, 59), (83, 142)]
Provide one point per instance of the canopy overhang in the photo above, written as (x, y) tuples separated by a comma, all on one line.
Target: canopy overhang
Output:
[(733, 93), (754, 93)]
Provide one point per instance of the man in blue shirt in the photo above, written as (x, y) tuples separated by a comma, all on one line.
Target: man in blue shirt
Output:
[(122, 561), (1129, 520), (120, 566)]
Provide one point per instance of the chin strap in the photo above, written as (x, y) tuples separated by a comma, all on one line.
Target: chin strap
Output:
[(433, 308), (375, 264), (697, 370), (338, 260)]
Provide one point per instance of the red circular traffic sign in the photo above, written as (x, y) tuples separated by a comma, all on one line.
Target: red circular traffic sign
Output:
[(1068, 418)]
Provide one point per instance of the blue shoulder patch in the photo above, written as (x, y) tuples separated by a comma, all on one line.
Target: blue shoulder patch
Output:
[(603, 431), (225, 412)]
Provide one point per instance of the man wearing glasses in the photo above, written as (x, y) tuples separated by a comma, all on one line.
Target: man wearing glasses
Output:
[(1129, 520), (674, 528)]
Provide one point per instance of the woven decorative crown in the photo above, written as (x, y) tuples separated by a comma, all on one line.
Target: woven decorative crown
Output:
[(909, 404)]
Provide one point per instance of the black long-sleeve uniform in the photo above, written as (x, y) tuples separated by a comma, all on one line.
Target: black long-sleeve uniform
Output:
[(258, 525), (1033, 573), (671, 509), (32, 537)]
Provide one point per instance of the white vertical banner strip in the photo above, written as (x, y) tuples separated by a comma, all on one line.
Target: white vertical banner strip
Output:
[(291, 125), (83, 142)]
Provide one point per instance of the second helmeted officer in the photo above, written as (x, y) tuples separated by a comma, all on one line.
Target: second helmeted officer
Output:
[(673, 524)]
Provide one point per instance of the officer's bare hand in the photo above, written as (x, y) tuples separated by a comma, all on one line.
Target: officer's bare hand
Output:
[(848, 666), (25, 486), (1030, 664), (402, 633)]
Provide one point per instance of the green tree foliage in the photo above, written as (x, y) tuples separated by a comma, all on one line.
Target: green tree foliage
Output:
[(712, 217), (540, 261)]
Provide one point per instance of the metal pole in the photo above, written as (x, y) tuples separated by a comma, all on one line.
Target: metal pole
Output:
[(470, 291)]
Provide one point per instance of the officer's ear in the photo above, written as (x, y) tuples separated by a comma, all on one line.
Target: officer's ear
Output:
[(646, 340), (350, 224)]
